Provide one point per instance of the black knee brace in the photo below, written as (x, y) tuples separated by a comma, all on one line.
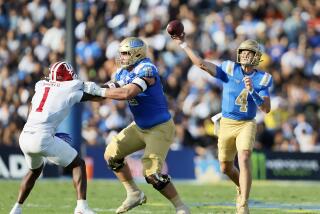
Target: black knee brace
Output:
[(158, 180), (115, 164)]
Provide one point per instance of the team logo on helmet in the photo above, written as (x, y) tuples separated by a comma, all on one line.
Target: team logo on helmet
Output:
[(61, 71), (136, 50), (253, 46)]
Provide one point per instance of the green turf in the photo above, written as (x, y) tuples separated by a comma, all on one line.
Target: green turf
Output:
[(58, 196)]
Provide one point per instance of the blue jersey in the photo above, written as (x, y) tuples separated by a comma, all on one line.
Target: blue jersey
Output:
[(149, 108), (237, 103)]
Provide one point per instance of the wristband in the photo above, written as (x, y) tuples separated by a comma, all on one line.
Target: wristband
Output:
[(183, 45), (256, 97), (111, 85)]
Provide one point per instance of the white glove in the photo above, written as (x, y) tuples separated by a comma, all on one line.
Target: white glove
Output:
[(93, 89)]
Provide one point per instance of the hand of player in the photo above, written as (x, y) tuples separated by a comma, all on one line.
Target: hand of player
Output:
[(248, 83), (178, 39), (92, 88)]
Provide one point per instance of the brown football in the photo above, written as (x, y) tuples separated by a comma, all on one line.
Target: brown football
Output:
[(175, 28)]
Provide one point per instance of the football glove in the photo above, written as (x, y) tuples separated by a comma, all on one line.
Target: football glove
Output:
[(93, 89)]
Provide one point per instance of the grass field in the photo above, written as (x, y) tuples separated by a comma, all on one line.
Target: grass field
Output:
[(58, 196)]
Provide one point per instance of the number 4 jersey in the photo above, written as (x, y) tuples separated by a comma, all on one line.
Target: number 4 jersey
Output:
[(237, 103), (51, 103)]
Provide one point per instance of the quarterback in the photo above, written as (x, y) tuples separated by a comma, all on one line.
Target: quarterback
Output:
[(51, 103), (244, 90), (153, 130)]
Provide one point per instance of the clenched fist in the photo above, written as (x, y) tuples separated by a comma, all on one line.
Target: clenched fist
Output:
[(248, 83)]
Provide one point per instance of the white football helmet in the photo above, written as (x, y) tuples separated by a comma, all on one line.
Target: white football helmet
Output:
[(251, 45), (61, 71)]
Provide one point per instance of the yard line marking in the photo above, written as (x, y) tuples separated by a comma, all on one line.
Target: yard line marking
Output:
[(262, 205)]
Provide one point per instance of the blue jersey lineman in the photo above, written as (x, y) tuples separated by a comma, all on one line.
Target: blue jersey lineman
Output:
[(153, 129), (244, 90), (149, 108)]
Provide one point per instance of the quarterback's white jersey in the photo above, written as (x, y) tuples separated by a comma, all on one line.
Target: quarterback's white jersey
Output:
[(51, 103)]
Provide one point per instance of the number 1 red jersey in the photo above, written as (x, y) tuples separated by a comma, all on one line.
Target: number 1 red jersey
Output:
[(51, 103)]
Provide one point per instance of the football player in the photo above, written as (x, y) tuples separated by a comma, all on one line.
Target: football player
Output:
[(51, 103), (244, 90), (138, 81)]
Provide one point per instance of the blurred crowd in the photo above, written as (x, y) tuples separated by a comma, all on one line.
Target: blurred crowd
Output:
[(32, 36)]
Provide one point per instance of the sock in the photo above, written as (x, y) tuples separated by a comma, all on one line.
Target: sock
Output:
[(82, 203), (176, 201), (17, 205), (130, 186)]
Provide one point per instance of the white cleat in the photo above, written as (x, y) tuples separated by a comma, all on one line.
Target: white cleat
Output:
[(16, 210), (132, 200), (182, 210), (86, 210)]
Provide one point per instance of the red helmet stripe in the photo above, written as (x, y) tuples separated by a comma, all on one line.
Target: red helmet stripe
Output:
[(52, 75), (55, 70), (52, 70)]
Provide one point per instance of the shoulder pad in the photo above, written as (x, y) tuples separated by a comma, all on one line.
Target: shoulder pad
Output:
[(228, 67), (74, 85), (266, 79), (146, 70), (39, 84)]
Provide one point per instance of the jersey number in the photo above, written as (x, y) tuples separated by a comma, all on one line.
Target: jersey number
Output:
[(43, 100), (242, 100), (133, 102)]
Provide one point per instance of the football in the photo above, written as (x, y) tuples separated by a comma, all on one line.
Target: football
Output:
[(175, 28)]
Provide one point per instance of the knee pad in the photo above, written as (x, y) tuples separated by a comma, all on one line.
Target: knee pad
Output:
[(115, 164), (158, 180)]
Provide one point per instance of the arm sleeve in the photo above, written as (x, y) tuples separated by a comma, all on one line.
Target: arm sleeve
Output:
[(221, 74), (76, 85), (76, 92), (75, 97)]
